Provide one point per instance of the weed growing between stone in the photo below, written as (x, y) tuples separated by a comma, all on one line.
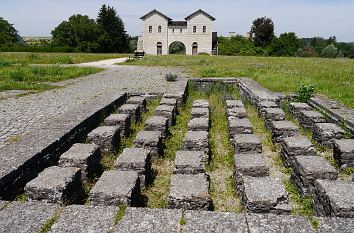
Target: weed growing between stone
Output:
[(50, 222), (120, 214)]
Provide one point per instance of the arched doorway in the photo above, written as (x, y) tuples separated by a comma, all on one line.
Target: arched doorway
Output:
[(177, 47), (195, 48), (159, 48)]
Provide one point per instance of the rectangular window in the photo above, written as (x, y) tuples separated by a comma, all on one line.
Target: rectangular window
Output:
[(159, 29), (194, 29), (150, 29), (173, 30), (181, 30), (204, 29)]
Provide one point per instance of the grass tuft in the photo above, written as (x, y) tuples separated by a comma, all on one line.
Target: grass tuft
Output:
[(50, 222), (120, 214)]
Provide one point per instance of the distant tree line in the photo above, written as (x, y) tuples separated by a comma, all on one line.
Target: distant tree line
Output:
[(263, 42)]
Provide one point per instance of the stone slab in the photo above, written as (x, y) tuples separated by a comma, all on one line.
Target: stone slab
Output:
[(166, 111), (214, 222), (140, 100), (169, 101), (250, 165), (273, 114), (283, 129), (189, 192), (296, 107), (138, 160), (234, 103), (179, 96), (196, 141), (335, 225), (297, 145), (3, 204), (190, 162), (239, 126), (115, 188), (343, 152), (266, 104), (134, 110), (239, 112), (106, 137), (200, 112), (122, 120), (200, 103), (26, 217), (83, 219), (142, 220), (157, 123), (334, 198), (84, 156), (272, 223), (56, 185), (151, 140), (199, 124), (326, 133), (308, 118), (247, 143)]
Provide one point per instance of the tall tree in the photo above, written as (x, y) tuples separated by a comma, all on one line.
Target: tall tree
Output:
[(262, 31), (114, 38), (8, 34), (286, 45)]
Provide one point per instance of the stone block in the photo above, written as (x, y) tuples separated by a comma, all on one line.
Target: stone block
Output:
[(247, 143), (264, 105), (250, 165), (264, 195), (273, 114), (140, 100), (273, 223), (296, 107), (200, 113), (335, 225), (179, 96), (157, 123), (198, 124), (234, 104), (306, 169), (200, 103), (196, 141), (133, 110), (296, 146), (283, 129), (334, 198), (56, 185), (343, 152), (151, 140), (214, 222), (26, 217), (189, 192), (190, 162), (167, 111), (138, 160), (106, 137), (169, 101), (81, 218), (239, 112), (115, 188), (239, 126), (308, 118), (326, 133), (84, 156), (122, 120), (142, 220)]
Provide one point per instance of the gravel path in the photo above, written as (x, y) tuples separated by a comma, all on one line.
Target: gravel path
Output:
[(23, 115), (108, 63)]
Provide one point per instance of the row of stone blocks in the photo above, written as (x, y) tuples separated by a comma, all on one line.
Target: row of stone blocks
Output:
[(189, 182), (259, 193)]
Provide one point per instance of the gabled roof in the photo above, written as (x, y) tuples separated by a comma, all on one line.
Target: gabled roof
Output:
[(200, 11), (154, 11)]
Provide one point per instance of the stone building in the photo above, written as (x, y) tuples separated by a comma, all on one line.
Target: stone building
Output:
[(160, 31)]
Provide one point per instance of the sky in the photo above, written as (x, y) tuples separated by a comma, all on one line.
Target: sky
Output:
[(307, 18)]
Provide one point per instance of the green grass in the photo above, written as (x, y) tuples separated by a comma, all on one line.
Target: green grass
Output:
[(120, 214), (50, 222), (331, 77)]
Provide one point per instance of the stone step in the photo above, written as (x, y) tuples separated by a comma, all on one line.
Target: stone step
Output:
[(166, 111), (190, 162), (308, 118), (200, 103), (106, 137), (115, 188), (239, 126), (196, 141), (200, 113), (326, 133), (246, 143), (56, 185), (157, 123), (263, 105), (234, 104), (179, 96), (84, 156), (122, 120), (283, 129), (239, 112), (296, 107), (151, 140), (343, 152), (273, 114), (249, 165), (169, 101), (199, 124), (140, 100), (133, 110)]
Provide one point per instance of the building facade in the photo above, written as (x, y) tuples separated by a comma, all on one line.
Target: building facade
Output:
[(160, 31)]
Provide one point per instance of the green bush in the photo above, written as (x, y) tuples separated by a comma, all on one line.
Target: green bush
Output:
[(237, 46), (171, 77), (330, 51), (304, 93)]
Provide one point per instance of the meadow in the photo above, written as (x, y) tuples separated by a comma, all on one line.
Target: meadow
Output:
[(333, 78)]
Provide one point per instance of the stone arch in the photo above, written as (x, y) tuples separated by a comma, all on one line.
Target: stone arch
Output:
[(177, 47)]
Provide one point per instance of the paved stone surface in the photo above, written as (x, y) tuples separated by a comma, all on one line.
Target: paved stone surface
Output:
[(157, 123), (213, 222), (306, 169), (234, 103), (140, 100), (106, 137), (167, 111), (3, 204), (200, 112), (84, 156), (199, 124), (56, 185), (296, 146), (326, 133), (296, 107), (334, 198), (196, 141), (115, 188), (247, 143), (25, 217), (83, 219), (122, 120), (142, 220), (189, 192), (239, 126), (343, 152), (308, 118), (283, 129), (134, 110), (272, 223), (336, 225), (151, 140), (138, 160), (190, 162), (200, 103)]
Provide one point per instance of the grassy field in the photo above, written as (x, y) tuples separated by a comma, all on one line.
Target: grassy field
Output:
[(331, 77)]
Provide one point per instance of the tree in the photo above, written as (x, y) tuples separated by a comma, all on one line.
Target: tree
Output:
[(262, 31), (114, 38), (8, 34), (330, 51), (236, 46), (79, 32), (286, 45)]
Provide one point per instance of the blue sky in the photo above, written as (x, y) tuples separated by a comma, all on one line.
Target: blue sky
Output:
[(307, 18)]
